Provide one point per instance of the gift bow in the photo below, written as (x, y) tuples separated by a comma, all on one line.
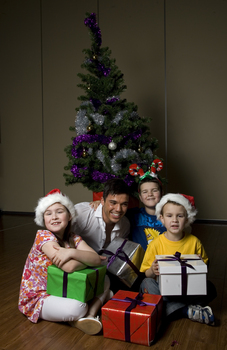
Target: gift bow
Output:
[(177, 257), (134, 302), (121, 255), (183, 263)]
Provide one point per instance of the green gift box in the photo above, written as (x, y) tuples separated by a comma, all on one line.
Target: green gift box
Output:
[(81, 285)]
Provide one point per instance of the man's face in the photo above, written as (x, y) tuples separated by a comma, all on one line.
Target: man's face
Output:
[(114, 207)]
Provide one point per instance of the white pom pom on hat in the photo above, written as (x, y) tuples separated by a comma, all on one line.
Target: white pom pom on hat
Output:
[(186, 201), (54, 196)]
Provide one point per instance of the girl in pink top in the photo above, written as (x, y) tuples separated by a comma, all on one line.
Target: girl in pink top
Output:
[(56, 244)]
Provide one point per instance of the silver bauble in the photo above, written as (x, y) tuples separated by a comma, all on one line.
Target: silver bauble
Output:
[(112, 146)]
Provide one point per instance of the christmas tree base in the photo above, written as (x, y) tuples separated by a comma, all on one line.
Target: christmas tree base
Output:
[(133, 202)]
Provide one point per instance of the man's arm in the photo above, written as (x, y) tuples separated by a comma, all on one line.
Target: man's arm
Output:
[(83, 212)]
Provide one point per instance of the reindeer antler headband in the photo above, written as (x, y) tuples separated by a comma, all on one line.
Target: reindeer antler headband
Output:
[(136, 170)]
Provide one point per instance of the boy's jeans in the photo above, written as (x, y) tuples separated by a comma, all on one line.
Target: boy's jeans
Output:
[(174, 303)]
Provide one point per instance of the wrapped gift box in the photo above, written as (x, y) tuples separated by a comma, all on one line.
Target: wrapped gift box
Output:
[(81, 285), (170, 279), (118, 252), (138, 325)]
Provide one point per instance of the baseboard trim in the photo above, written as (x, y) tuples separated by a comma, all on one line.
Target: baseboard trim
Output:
[(210, 222), (22, 213), (198, 221)]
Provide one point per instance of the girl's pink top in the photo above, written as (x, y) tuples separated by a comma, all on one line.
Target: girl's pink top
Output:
[(34, 277)]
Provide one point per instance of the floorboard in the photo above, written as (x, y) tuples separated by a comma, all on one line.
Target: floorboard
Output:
[(17, 233)]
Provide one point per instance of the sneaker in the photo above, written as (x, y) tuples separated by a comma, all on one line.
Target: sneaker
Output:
[(89, 325), (201, 314)]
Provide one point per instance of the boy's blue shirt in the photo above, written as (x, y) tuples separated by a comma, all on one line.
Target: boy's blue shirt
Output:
[(143, 227)]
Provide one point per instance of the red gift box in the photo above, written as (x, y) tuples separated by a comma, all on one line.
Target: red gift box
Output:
[(133, 317)]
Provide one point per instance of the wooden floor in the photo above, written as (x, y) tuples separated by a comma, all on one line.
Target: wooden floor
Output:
[(16, 332)]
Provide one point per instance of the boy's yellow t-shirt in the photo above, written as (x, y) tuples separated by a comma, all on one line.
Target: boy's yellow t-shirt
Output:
[(189, 244)]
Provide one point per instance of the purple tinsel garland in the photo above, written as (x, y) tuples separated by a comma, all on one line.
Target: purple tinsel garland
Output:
[(97, 175), (101, 177), (103, 69), (134, 136), (97, 103), (112, 100), (92, 24), (128, 180), (77, 152), (91, 138), (78, 172)]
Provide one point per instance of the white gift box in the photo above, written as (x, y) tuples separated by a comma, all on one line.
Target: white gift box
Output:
[(121, 268), (170, 276)]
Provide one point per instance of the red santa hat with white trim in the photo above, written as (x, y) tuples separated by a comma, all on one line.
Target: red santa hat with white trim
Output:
[(54, 196), (181, 199)]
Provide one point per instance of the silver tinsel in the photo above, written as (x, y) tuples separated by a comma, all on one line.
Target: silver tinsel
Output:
[(81, 122), (90, 151), (150, 153), (87, 103), (124, 154), (119, 117), (98, 118), (101, 157), (134, 114), (87, 61)]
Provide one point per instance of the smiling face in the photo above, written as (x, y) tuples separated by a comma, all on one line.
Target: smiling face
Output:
[(114, 207), (56, 219), (174, 218), (150, 194)]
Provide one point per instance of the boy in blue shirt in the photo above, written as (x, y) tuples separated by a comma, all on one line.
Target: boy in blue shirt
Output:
[(144, 226)]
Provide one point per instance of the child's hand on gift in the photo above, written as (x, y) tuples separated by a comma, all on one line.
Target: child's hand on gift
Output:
[(61, 256), (153, 270), (155, 267)]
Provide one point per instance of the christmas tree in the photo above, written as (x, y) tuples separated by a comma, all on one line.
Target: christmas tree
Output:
[(110, 134)]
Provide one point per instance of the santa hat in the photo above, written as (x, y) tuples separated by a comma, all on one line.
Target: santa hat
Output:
[(54, 196), (186, 201)]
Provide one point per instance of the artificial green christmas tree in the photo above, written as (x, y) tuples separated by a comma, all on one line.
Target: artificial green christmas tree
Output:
[(110, 134)]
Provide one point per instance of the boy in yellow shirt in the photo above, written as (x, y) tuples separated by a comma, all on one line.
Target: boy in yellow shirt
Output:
[(176, 212)]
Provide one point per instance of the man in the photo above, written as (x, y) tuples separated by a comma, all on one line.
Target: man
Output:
[(98, 228)]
